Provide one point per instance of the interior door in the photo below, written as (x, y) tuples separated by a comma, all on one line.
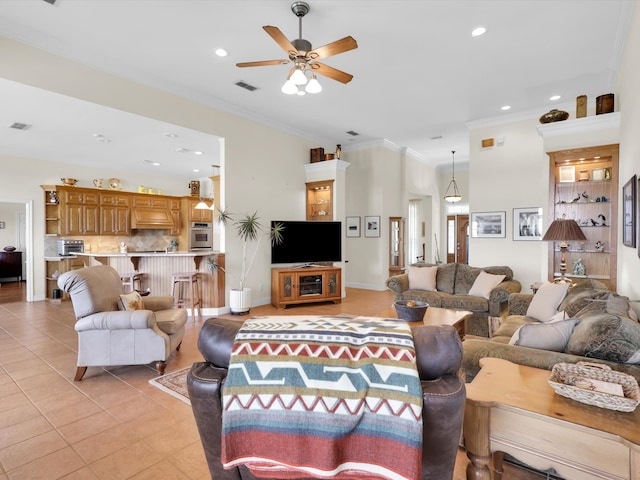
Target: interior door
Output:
[(457, 238), (462, 235)]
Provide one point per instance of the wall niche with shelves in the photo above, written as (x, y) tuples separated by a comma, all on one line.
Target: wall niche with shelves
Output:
[(320, 200), (584, 187)]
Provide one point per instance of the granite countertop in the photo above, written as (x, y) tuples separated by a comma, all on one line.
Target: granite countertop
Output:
[(157, 253)]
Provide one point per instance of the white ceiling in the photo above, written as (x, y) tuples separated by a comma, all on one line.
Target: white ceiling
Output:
[(418, 73)]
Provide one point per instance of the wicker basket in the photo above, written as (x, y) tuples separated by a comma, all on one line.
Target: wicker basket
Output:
[(564, 376), (413, 313)]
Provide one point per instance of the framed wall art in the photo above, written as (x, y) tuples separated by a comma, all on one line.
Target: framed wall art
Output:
[(567, 173), (372, 226), (629, 212), (488, 224), (527, 223), (353, 226)]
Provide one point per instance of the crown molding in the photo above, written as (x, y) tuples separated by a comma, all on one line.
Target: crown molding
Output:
[(580, 125)]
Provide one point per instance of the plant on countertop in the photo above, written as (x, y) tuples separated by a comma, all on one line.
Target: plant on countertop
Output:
[(174, 243), (249, 229)]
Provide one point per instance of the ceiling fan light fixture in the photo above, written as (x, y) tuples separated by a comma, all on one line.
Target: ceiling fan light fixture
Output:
[(298, 77), (289, 88), (314, 85), (301, 91)]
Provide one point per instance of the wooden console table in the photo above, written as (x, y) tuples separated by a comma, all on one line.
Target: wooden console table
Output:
[(438, 316), (512, 409)]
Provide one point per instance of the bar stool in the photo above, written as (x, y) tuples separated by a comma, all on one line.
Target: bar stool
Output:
[(132, 281), (186, 292)]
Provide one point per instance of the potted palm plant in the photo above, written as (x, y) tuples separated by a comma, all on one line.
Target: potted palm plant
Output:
[(251, 233)]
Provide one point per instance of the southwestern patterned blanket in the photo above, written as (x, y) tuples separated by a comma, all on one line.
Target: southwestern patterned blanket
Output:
[(325, 397)]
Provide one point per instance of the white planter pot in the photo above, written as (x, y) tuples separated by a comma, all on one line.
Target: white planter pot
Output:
[(240, 301)]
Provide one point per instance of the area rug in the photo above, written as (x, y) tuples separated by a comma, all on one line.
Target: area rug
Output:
[(174, 383)]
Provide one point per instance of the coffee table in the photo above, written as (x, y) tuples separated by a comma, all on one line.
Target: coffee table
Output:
[(512, 409), (439, 316)]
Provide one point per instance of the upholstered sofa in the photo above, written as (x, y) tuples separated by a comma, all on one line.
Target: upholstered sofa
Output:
[(111, 330), (598, 327), (453, 283), (438, 352)]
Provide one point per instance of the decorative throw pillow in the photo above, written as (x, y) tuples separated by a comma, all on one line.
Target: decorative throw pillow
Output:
[(484, 283), (544, 304), (552, 336), (131, 301), (605, 335), (422, 278)]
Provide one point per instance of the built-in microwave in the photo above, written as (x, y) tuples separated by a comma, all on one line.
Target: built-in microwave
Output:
[(68, 247), (200, 236)]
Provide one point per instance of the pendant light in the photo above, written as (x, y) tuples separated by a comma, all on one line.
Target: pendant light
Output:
[(453, 194)]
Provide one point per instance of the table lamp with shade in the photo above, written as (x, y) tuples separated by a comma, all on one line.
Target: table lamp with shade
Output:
[(563, 230)]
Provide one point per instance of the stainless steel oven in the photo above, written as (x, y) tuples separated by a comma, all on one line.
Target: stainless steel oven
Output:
[(200, 236)]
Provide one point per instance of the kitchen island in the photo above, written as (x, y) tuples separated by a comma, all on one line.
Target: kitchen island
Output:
[(157, 268)]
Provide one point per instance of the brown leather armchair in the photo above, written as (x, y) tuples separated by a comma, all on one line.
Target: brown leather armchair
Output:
[(439, 356)]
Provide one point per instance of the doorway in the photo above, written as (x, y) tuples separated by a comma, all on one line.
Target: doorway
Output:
[(458, 239), (16, 233)]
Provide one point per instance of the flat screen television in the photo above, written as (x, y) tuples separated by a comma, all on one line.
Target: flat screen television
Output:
[(308, 242)]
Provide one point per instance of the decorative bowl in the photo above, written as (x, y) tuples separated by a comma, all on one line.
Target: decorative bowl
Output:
[(70, 182), (412, 312), (114, 184), (9, 248), (554, 115)]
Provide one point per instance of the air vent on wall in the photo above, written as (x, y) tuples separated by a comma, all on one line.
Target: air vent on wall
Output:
[(246, 86), (20, 126)]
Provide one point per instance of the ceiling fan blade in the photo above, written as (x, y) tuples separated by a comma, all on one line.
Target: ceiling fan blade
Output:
[(330, 72), (263, 63), (334, 48), (278, 36)]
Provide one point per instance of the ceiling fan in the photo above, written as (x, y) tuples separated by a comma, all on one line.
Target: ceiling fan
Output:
[(304, 57)]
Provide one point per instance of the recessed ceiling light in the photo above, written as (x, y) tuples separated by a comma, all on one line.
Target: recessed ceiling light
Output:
[(182, 150), (197, 152), (479, 30), (554, 97), (505, 107), (196, 170), (101, 138), (221, 52), (155, 164), (170, 135)]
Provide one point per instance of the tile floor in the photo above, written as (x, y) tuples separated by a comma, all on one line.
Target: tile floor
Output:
[(113, 424)]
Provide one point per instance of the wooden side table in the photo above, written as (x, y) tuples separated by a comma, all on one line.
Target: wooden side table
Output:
[(512, 409)]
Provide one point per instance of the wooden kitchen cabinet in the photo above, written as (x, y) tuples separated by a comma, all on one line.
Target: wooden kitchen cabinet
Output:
[(115, 214), (290, 286), (80, 211), (52, 225), (196, 215)]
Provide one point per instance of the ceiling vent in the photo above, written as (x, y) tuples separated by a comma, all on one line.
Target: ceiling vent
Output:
[(352, 133), (51, 2), (246, 86), (20, 126)]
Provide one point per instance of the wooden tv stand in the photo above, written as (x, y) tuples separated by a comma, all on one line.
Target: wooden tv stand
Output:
[(290, 286)]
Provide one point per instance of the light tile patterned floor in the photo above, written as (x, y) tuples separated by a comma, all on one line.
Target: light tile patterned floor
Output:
[(113, 424)]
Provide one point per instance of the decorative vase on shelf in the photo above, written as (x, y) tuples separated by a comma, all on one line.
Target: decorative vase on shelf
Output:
[(338, 151), (554, 115)]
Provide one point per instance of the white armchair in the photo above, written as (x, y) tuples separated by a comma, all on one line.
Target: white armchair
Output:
[(109, 336)]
